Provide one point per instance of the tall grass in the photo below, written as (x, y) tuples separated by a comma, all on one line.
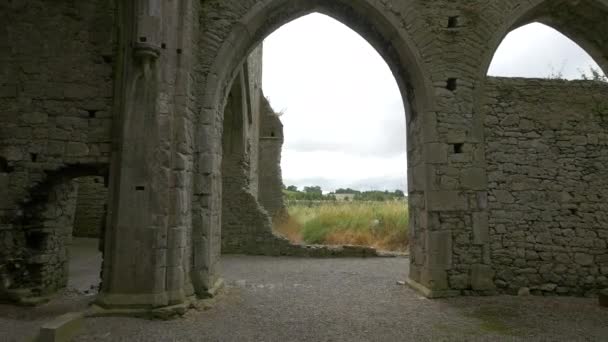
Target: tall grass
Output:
[(382, 225)]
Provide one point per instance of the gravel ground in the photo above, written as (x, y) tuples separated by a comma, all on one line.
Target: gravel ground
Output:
[(290, 299)]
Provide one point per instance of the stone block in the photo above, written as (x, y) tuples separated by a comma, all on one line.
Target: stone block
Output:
[(418, 178), (76, 149), (503, 196), (62, 329), (439, 249), (583, 259), (482, 278), (436, 153), (446, 201), (8, 91), (481, 231), (434, 279), (474, 179)]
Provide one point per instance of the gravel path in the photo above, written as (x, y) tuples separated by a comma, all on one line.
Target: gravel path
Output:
[(290, 299), (287, 299)]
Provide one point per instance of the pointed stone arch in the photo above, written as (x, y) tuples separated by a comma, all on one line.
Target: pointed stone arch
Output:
[(584, 22), (250, 27)]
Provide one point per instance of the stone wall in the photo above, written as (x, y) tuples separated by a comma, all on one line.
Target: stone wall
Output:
[(270, 193), (175, 64), (246, 225), (90, 212), (547, 151), (56, 69)]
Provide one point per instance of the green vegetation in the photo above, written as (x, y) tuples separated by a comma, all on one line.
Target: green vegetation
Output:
[(315, 193), (383, 225)]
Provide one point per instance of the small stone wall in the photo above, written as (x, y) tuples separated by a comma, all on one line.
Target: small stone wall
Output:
[(92, 197), (547, 151)]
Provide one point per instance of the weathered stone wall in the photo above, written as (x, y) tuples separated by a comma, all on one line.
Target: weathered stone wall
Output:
[(55, 120), (47, 236), (270, 192), (547, 151), (175, 66), (246, 225), (92, 197), (439, 52)]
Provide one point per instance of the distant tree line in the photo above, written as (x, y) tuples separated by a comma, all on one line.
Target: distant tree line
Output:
[(315, 193)]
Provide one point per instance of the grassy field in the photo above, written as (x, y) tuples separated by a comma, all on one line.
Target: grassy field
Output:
[(378, 224)]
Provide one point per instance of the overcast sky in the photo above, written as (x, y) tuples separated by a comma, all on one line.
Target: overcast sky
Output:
[(343, 114)]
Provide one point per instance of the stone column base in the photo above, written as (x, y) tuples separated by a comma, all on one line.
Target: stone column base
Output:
[(431, 294), (101, 309)]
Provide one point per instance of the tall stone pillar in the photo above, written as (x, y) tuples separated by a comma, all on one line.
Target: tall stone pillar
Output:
[(136, 249)]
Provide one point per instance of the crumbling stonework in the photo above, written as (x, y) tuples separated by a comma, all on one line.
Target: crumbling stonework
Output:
[(90, 207), (137, 91), (546, 152), (270, 175), (55, 124)]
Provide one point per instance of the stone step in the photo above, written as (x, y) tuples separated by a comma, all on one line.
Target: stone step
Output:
[(61, 329)]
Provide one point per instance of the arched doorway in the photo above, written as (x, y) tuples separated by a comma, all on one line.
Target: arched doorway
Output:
[(361, 16)]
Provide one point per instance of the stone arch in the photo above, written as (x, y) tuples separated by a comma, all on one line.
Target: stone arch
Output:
[(582, 21), (364, 17), (396, 48)]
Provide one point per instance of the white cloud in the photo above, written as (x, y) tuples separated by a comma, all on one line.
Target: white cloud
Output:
[(536, 50), (343, 113), (344, 118)]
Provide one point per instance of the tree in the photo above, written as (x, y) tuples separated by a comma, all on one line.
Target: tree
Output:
[(399, 194), (313, 190), (292, 188)]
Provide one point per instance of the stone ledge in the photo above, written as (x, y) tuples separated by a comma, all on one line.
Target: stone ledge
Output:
[(431, 294), (62, 328), (163, 313)]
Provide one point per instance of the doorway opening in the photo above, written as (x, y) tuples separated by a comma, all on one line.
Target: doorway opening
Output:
[(329, 167), (343, 159)]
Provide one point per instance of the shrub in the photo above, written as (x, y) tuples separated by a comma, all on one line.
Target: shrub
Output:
[(383, 225)]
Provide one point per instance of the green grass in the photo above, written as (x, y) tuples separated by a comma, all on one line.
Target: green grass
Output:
[(378, 224)]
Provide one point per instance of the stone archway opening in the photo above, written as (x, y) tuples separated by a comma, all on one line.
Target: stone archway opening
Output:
[(87, 241), (540, 51), (545, 140), (393, 44), (341, 124), (254, 210)]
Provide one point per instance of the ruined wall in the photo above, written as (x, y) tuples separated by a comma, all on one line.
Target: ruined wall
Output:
[(89, 216), (48, 226), (174, 69), (246, 225), (547, 151), (270, 193), (55, 114)]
